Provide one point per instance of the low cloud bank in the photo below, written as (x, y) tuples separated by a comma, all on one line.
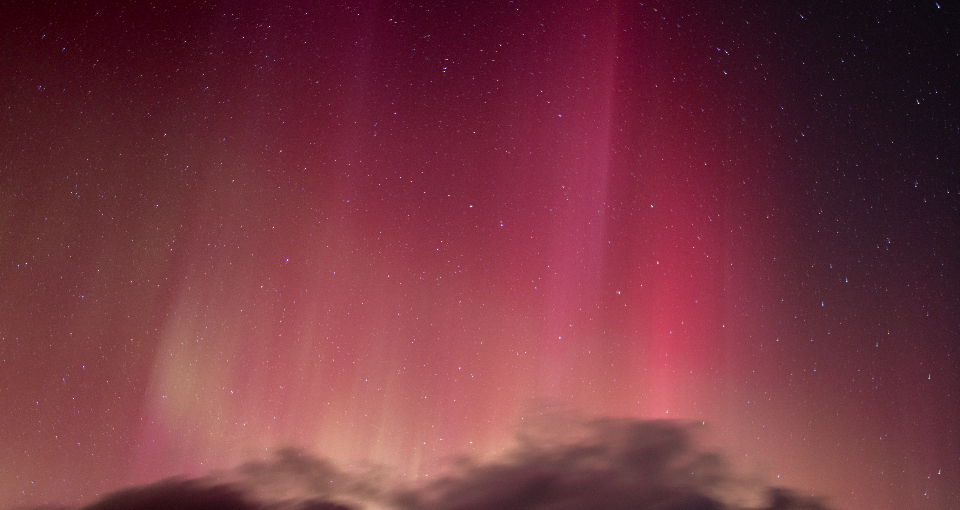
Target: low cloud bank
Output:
[(557, 464)]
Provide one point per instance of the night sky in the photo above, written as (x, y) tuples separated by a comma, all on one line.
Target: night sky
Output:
[(386, 233)]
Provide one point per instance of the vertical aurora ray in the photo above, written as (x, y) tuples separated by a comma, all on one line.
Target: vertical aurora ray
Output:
[(387, 233)]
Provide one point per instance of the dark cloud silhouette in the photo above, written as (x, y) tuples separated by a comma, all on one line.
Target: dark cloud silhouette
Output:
[(182, 494), (558, 463), (565, 464), (199, 495)]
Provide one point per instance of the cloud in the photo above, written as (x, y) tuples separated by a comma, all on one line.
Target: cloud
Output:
[(566, 464), (200, 495), (558, 463)]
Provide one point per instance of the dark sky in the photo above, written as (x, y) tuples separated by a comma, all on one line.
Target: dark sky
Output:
[(384, 232)]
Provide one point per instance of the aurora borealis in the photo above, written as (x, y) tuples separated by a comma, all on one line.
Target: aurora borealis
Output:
[(385, 232)]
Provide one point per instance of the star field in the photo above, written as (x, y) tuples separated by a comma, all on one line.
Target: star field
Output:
[(384, 232)]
